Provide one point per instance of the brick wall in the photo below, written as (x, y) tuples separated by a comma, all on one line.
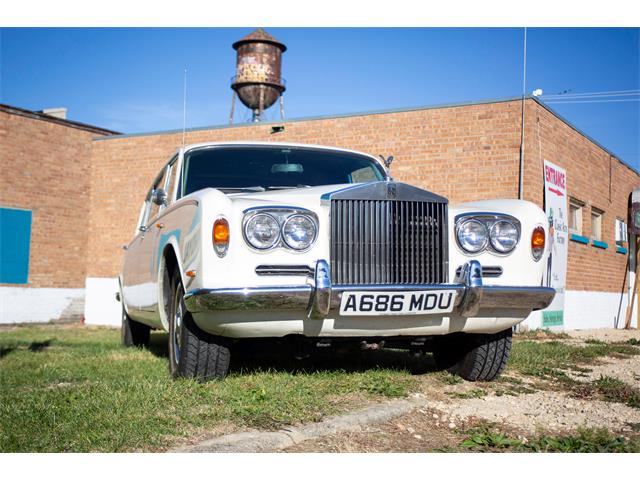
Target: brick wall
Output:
[(45, 168), (457, 152), (596, 179), (467, 152)]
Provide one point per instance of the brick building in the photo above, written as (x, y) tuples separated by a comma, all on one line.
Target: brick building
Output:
[(85, 203)]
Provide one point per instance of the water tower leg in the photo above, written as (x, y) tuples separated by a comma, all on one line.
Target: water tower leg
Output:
[(281, 107), (261, 106), (233, 107)]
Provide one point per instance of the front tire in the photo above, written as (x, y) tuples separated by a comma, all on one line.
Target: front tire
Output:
[(192, 352), (133, 334), (474, 357)]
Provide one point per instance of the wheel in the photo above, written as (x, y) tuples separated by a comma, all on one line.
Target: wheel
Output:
[(474, 357), (134, 334), (192, 352)]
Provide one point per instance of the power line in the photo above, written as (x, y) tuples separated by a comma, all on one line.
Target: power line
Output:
[(596, 101), (587, 97), (590, 94)]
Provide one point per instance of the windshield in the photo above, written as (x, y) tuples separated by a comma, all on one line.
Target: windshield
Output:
[(258, 168)]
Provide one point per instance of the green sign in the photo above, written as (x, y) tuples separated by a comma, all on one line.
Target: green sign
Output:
[(553, 319)]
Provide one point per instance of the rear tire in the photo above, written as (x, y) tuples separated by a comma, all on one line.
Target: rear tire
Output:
[(134, 334), (474, 357), (192, 352)]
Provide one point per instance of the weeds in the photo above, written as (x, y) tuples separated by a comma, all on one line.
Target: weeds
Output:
[(542, 334), (473, 393), (547, 359), (586, 440)]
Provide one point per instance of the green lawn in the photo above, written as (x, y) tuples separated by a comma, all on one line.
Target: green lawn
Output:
[(75, 389), (70, 389)]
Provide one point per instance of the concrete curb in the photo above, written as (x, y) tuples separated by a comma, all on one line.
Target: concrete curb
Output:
[(257, 441)]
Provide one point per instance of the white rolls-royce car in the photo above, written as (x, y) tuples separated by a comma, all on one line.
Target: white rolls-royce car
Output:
[(321, 246)]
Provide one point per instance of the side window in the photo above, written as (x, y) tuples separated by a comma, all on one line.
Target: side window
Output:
[(154, 207), (596, 223), (575, 216), (174, 173), (621, 233)]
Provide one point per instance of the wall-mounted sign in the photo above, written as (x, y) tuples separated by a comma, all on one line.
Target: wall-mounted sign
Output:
[(556, 208)]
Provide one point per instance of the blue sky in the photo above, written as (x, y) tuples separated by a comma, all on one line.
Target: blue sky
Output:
[(130, 80)]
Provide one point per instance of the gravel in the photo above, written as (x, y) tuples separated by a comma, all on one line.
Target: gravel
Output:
[(541, 411)]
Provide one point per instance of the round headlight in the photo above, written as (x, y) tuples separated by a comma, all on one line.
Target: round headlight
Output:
[(262, 231), (472, 236), (299, 232), (503, 236)]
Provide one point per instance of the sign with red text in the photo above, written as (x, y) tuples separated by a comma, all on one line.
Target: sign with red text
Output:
[(556, 208)]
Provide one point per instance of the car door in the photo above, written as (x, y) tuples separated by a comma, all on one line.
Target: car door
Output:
[(132, 270), (145, 263), (159, 230)]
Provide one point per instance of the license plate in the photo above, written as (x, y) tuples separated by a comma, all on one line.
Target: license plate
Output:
[(425, 302)]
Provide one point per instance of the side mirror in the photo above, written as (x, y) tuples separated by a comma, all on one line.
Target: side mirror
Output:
[(159, 197)]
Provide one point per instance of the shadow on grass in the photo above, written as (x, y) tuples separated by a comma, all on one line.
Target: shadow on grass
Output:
[(32, 347), (253, 356)]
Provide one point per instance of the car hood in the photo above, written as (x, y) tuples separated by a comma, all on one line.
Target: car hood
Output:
[(289, 194)]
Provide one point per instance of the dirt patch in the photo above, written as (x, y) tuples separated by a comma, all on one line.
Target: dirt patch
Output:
[(608, 335), (522, 407), (539, 412), (625, 369)]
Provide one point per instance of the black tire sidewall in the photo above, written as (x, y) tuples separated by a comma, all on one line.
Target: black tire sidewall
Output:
[(176, 285)]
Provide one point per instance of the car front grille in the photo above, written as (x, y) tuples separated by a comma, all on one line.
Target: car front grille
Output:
[(386, 242)]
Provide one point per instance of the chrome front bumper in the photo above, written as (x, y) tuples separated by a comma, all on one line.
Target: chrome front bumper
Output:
[(320, 297)]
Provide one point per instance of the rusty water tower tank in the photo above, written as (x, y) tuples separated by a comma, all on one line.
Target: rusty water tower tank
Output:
[(258, 81)]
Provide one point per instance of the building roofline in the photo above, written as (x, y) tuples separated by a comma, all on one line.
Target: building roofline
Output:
[(588, 137), (311, 118), (60, 121), (380, 112)]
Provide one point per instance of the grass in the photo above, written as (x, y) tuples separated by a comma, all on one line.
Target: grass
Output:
[(542, 334), (75, 389), (72, 388), (586, 440), (473, 393), (548, 359), (609, 389)]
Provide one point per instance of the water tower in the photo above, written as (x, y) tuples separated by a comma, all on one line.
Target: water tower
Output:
[(258, 81)]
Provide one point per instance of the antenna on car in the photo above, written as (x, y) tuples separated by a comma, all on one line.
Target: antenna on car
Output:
[(184, 108)]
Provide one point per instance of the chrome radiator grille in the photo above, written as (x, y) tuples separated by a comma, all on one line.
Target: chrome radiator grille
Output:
[(388, 242)]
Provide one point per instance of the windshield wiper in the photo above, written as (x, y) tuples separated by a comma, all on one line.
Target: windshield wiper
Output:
[(241, 189), (285, 187)]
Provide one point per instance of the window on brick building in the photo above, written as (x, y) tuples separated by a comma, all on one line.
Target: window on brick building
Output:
[(575, 216), (596, 223), (621, 232)]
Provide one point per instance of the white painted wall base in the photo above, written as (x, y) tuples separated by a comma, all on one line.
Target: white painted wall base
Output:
[(587, 310), (101, 306), (40, 305)]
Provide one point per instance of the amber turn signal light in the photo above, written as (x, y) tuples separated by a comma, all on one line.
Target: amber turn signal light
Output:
[(538, 239), (221, 236)]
